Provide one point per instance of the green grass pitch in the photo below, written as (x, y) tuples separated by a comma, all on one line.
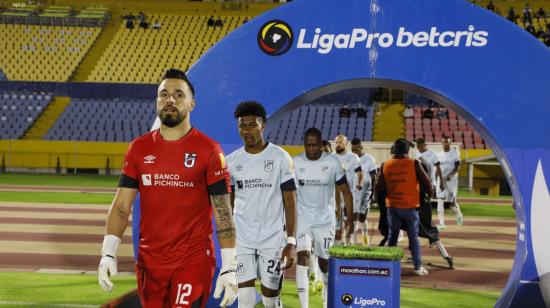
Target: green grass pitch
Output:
[(46, 289)]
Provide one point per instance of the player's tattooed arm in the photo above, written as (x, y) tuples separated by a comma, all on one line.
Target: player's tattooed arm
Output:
[(223, 215), (120, 211)]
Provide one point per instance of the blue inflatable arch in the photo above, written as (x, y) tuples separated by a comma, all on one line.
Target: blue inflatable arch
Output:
[(491, 72)]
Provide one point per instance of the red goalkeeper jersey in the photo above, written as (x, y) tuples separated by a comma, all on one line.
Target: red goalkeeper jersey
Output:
[(175, 180)]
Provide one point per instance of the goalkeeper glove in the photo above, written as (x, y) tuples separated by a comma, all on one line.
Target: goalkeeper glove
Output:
[(108, 263), (227, 279)]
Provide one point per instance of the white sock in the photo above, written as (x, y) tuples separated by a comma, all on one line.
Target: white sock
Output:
[(456, 209), (337, 242), (270, 302), (302, 284), (441, 211), (325, 289), (247, 297)]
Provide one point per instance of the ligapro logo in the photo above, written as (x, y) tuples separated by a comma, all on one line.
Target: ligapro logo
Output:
[(348, 299), (275, 37), (276, 34)]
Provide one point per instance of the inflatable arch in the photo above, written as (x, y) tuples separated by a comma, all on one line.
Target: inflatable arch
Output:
[(493, 73)]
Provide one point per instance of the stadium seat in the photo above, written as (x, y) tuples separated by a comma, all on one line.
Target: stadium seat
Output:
[(18, 112), (132, 55), (99, 120), (43, 53)]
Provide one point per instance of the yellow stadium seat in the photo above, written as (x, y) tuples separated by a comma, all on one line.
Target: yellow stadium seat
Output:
[(139, 55), (43, 48)]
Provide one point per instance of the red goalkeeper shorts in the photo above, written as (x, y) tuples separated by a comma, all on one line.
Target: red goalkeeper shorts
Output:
[(187, 286)]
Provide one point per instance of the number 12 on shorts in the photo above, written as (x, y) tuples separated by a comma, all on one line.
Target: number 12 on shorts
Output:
[(184, 290)]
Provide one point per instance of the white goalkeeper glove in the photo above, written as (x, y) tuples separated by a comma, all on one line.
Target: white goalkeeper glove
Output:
[(227, 279), (108, 263)]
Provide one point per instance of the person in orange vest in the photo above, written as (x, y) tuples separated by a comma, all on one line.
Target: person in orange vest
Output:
[(401, 179)]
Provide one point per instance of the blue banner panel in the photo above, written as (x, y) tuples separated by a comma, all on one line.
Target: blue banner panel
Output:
[(363, 283)]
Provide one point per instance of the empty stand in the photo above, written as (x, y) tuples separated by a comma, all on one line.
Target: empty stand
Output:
[(388, 121), (433, 130), (19, 110), (43, 53), (290, 130), (103, 120), (141, 56), (50, 114)]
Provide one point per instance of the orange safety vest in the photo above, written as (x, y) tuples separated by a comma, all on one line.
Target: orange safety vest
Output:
[(401, 183)]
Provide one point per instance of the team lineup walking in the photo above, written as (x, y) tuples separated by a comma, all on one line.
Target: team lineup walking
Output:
[(274, 153), (269, 208)]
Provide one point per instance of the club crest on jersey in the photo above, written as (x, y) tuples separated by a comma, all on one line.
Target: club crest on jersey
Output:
[(268, 165), (189, 160), (240, 269), (324, 169)]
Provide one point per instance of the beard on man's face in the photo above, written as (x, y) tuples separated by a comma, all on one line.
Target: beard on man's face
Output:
[(171, 119), (340, 150)]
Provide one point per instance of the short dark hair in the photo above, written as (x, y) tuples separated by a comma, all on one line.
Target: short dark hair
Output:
[(250, 108), (447, 137), (325, 143), (174, 73), (420, 140), (355, 141), (400, 147), (312, 131)]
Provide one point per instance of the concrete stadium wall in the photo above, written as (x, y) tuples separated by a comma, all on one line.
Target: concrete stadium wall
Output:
[(84, 89), (42, 155), (39, 154)]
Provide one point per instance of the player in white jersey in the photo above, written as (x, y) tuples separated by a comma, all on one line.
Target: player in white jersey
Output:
[(431, 160), (326, 147), (450, 162), (318, 175), (264, 200), (363, 197), (352, 166)]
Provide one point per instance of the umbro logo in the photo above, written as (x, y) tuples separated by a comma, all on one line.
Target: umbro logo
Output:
[(149, 159)]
